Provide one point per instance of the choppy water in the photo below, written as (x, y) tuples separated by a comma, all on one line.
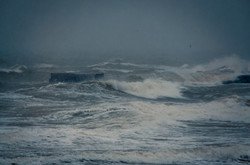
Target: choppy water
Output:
[(138, 114)]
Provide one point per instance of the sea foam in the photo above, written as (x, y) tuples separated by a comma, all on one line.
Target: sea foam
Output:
[(149, 88)]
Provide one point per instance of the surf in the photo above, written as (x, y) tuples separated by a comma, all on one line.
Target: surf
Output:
[(149, 88)]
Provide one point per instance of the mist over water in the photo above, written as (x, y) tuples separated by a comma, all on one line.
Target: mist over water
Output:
[(162, 99), (163, 32)]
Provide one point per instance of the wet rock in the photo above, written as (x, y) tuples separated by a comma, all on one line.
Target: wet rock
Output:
[(239, 79), (244, 158), (248, 102)]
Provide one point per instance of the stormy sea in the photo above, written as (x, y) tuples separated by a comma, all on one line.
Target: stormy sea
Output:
[(136, 114)]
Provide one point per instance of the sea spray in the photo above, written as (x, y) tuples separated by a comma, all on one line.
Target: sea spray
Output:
[(149, 88)]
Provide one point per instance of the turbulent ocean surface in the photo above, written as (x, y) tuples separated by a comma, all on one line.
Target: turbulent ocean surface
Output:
[(137, 114)]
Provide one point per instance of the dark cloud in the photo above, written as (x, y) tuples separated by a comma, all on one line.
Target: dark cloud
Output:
[(175, 30)]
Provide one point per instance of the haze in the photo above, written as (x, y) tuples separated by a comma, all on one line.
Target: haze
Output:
[(145, 31)]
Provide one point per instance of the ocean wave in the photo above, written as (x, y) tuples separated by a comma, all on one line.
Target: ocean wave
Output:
[(229, 108), (213, 154), (45, 66), (113, 70), (14, 69), (211, 73), (149, 88), (220, 70)]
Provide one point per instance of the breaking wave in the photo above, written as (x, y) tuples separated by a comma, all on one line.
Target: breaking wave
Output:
[(149, 88), (45, 66), (14, 69), (99, 122), (213, 72), (229, 108)]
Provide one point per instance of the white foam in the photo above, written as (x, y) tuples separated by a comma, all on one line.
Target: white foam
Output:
[(149, 88), (15, 69), (114, 70), (213, 72), (45, 66), (225, 109), (234, 62)]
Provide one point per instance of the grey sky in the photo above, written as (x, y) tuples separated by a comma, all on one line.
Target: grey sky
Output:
[(176, 30)]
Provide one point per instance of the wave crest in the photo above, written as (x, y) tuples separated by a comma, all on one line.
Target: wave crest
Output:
[(15, 69), (149, 88)]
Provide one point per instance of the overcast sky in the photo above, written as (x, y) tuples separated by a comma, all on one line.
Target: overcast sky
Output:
[(174, 30)]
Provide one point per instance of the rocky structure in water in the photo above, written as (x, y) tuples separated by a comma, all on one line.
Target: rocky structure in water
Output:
[(239, 79), (73, 77)]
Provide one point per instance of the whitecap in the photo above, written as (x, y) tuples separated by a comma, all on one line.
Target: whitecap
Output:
[(149, 88)]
